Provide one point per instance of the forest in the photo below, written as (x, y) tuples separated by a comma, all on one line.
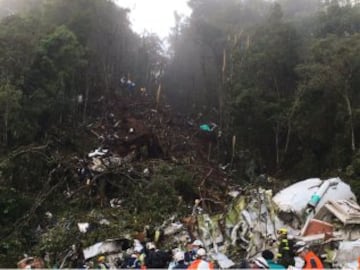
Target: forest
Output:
[(281, 81)]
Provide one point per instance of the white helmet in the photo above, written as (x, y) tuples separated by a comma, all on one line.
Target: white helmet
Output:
[(299, 246), (201, 252), (138, 249), (198, 243), (179, 256), (261, 263), (150, 245)]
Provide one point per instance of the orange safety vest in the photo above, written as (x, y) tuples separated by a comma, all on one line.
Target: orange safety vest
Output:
[(312, 261), (200, 264)]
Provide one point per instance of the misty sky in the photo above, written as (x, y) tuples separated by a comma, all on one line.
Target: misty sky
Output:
[(154, 15)]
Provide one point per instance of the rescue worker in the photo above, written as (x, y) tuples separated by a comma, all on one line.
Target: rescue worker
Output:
[(134, 261), (188, 252), (156, 258), (102, 264), (201, 262), (312, 261), (190, 256), (179, 259), (285, 255), (269, 257), (259, 263)]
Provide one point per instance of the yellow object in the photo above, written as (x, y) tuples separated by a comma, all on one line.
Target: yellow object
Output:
[(157, 236), (101, 259), (282, 231)]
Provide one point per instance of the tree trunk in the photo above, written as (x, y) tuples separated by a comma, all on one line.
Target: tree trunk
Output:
[(349, 109), (6, 124), (277, 150), (86, 99)]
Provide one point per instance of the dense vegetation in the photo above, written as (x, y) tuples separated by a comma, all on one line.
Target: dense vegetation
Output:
[(282, 78), (57, 59)]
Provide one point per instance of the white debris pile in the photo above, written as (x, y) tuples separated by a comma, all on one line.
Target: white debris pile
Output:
[(322, 213), (297, 200), (319, 212)]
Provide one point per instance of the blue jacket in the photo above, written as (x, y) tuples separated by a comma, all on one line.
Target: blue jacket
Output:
[(274, 265)]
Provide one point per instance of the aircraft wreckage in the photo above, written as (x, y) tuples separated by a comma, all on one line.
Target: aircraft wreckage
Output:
[(322, 213)]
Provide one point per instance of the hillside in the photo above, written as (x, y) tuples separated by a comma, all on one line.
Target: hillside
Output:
[(143, 151)]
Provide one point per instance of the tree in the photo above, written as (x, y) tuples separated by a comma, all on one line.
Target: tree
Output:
[(331, 72), (150, 61), (51, 83), (338, 20), (201, 62), (264, 86), (9, 107)]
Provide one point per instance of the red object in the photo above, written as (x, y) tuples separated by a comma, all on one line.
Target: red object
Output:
[(33, 262), (201, 264), (312, 261), (316, 226)]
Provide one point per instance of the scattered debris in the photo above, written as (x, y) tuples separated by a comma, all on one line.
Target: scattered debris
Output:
[(115, 203), (104, 221), (347, 255), (225, 218), (31, 263), (297, 200), (314, 226), (348, 212), (83, 227), (98, 152), (223, 261), (110, 246)]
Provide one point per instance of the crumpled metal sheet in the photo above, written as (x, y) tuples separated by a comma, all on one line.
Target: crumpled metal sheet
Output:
[(249, 222), (210, 230), (223, 261), (107, 246), (348, 251), (295, 198), (346, 211)]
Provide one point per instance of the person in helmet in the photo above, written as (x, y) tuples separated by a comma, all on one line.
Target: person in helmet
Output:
[(312, 261), (201, 262), (269, 257), (134, 261), (179, 259), (259, 263), (190, 255), (197, 244), (156, 258), (101, 263), (285, 255)]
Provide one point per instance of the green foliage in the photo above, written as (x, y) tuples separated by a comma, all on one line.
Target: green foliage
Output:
[(352, 173), (338, 20), (13, 204), (195, 72), (328, 78), (18, 39), (54, 73), (264, 86), (63, 232), (290, 86), (48, 57), (149, 203), (287, 88), (9, 110)]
